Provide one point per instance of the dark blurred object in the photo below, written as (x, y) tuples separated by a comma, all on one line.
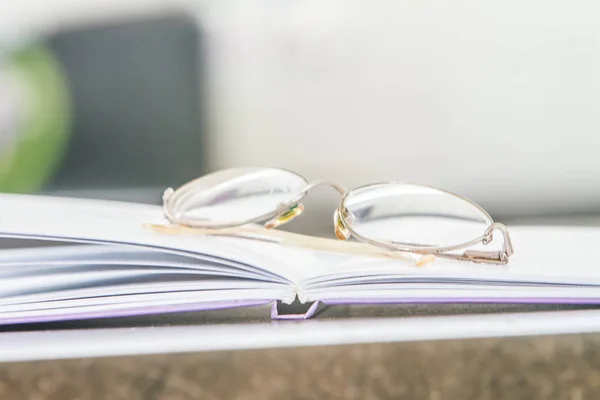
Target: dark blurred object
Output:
[(136, 96)]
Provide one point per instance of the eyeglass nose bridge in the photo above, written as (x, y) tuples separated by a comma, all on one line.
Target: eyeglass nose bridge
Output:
[(287, 211), (283, 208), (322, 182)]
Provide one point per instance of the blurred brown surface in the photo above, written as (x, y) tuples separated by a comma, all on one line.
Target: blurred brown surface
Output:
[(551, 367)]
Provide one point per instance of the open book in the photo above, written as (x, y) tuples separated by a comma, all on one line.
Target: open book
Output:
[(128, 261)]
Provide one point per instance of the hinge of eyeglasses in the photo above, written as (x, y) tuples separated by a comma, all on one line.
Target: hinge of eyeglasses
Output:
[(493, 257), (496, 257)]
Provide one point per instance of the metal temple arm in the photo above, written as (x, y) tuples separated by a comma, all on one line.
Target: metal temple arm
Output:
[(496, 257)]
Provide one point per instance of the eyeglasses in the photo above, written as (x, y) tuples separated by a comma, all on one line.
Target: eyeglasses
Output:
[(391, 216)]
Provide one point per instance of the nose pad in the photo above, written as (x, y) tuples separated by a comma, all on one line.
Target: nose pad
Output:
[(286, 217), (341, 229)]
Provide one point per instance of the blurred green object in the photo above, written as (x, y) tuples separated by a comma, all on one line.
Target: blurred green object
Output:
[(43, 120)]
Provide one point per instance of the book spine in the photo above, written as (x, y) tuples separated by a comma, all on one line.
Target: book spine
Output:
[(277, 313)]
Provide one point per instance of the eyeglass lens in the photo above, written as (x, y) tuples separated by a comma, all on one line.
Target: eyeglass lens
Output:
[(414, 214)]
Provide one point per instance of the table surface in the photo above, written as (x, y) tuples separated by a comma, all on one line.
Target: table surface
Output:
[(547, 367), (251, 328)]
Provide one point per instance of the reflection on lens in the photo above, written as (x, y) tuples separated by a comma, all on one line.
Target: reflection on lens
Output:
[(236, 195), (415, 215)]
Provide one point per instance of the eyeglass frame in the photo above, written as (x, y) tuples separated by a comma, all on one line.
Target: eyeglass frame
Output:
[(497, 257)]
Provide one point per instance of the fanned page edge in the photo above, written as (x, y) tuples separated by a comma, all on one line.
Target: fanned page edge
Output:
[(129, 224), (132, 312), (545, 256)]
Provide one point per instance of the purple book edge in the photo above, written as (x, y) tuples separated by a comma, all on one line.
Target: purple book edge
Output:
[(275, 312), (133, 312)]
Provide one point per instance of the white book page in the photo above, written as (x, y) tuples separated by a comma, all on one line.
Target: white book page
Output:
[(32, 262), (64, 282), (123, 294), (73, 279), (137, 304), (544, 257), (111, 222)]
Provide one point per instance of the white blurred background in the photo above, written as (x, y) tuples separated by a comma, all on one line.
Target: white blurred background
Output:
[(495, 100)]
